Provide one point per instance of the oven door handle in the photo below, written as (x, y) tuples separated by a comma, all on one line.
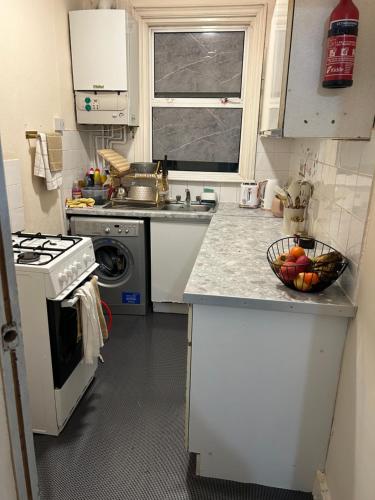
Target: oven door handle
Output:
[(70, 302), (76, 283)]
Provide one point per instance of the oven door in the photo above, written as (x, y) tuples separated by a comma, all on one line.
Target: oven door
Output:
[(65, 340)]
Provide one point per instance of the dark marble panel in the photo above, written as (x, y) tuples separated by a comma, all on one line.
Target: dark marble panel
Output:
[(199, 62), (197, 134)]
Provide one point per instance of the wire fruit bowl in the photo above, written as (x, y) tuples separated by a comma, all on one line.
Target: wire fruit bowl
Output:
[(305, 265)]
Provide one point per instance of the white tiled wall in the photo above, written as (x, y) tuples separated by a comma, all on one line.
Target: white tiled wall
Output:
[(75, 160), (13, 182), (342, 174), (273, 159)]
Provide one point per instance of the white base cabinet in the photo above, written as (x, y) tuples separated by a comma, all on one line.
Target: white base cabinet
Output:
[(174, 248), (262, 393)]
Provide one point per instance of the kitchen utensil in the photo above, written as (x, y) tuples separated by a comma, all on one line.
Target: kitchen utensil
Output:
[(305, 193), (325, 267), (294, 190), (282, 195), (277, 207)]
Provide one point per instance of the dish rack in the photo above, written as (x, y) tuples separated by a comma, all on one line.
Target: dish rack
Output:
[(143, 191)]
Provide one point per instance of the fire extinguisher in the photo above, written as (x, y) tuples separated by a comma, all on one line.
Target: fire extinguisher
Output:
[(341, 45)]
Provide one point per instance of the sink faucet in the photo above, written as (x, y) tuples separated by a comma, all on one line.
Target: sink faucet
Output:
[(188, 197)]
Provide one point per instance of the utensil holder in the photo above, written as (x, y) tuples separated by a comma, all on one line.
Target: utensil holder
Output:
[(294, 220)]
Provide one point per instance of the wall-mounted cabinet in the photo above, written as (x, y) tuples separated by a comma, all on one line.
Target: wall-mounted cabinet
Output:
[(294, 102)]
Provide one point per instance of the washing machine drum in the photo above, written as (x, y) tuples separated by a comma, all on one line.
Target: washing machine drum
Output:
[(115, 261)]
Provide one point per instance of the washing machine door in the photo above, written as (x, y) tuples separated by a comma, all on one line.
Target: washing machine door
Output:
[(115, 261)]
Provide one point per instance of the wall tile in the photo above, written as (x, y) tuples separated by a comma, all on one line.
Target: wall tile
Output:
[(17, 219), (354, 245), (362, 196), (12, 172), (350, 153), (195, 188), (343, 233), (342, 175), (14, 195), (229, 193), (367, 162), (349, 281)]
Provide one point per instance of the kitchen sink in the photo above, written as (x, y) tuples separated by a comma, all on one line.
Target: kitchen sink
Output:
[(193, 207)]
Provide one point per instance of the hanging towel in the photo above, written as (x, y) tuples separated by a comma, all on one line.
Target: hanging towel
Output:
[(103, 324), (90, 324), (54, 149), (42, 167)]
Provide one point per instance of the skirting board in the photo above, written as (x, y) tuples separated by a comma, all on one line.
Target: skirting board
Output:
[(320, 490), (170, 307)]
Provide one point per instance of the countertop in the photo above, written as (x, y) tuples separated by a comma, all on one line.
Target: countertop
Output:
[(227, 209), (232, 270)]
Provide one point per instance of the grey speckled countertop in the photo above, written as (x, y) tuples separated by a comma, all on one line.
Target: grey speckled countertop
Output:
[(232, 270), (228, 209)]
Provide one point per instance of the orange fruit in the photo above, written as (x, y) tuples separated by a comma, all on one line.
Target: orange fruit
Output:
[(311, 278), (296, 252)]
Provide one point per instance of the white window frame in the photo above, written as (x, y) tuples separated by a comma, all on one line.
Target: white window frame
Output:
[(252, 18)]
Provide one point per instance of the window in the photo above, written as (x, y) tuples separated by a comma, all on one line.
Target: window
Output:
[(200, 81), (197, 98)]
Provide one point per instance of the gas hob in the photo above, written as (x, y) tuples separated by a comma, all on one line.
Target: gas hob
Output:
[(61, 260)]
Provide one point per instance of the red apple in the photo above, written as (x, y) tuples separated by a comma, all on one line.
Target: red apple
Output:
[(303, 264), (290, 258), (289, 271)]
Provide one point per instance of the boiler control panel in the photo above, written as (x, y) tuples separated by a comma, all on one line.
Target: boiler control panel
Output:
[(104, 108)]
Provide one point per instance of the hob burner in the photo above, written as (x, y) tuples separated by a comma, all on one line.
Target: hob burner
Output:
[(28, 258)]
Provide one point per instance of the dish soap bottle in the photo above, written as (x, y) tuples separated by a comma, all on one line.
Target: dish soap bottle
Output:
[(164, 185)]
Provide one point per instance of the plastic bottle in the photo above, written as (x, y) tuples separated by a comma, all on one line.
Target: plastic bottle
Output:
[(97, 177), (76, 191)]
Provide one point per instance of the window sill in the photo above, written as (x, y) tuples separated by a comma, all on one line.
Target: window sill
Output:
[(204, 177)]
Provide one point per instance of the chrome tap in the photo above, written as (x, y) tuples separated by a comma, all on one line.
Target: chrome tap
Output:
[(188, 197)]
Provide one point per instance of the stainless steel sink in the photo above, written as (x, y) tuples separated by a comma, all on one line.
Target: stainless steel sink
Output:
[(193, 207)]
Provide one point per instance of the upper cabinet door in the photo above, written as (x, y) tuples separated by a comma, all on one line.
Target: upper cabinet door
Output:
[(303, 108), (98, 45)]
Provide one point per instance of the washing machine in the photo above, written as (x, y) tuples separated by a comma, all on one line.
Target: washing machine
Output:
[(121, 250)]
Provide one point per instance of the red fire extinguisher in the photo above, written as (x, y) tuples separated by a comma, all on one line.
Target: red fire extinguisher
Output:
[(341, 45)]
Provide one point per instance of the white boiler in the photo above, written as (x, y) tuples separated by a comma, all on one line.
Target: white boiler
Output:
[(105, 63)]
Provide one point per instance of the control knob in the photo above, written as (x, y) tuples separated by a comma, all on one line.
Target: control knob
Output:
[(86, 258), (62, 277), (107, 230)]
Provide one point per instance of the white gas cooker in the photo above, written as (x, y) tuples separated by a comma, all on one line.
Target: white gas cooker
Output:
[(61, 259), (49, 269)]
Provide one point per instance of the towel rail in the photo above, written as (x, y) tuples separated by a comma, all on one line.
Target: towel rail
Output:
[(31, 134)]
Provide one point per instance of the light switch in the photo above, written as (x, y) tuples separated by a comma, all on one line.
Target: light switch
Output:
[(59, 124)]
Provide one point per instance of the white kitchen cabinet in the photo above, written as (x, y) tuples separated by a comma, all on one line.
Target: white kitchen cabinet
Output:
[(174, 248), (294, 103), (261, 393)]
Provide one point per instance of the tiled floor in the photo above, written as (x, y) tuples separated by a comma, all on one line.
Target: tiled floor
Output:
[(125, 441)]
